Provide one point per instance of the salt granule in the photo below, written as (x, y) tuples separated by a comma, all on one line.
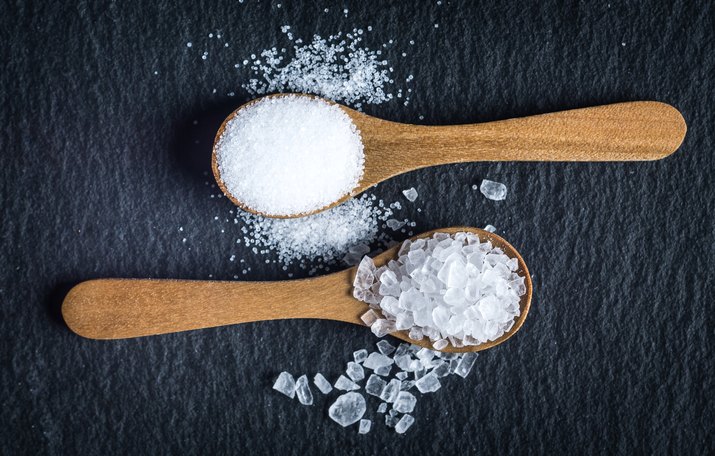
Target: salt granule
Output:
[(405, 402), (428, 384), (360, 355), (376, 360), (364, 426), (385, 347), (302, 390), (382, 408), (493, 190), (322, 383), (404, 424), (410, 194), (465, 364), (345, 384), (290, 155), (375, 385), (285, 383), (490, 228), (355, 371), (347, 409)]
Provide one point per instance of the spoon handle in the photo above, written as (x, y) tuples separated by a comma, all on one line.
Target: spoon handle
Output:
[(642, 130), (122, 308)]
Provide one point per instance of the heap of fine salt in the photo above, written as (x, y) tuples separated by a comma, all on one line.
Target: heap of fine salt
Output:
[(289, 155)]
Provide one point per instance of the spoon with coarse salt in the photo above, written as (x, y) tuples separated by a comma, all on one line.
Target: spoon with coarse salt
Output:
[(293, 155), (124, 308)]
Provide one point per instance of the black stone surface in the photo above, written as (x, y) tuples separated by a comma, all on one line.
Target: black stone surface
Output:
[(99, 168)]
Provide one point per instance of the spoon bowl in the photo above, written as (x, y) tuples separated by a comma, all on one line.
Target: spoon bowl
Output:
[(125, 308), (640, 130)]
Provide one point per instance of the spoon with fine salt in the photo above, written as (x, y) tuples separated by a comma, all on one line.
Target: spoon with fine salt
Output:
[(125, 308), (640, 130)]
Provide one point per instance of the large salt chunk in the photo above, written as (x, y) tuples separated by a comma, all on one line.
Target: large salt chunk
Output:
[(465, 364), (382, 327), (405, 402), (375, 385), (364, 426), (493, 190), (347, 409), (428, 383), (355, 371), (376, 360), (365, 275), (391, 390), (385, 347), (285, 383), (322, 383), (302, 390), (410, 194), (404, 424), (345, 384)]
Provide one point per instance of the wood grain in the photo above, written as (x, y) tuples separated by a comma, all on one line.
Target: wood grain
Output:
[(640, 130), (123, 308)]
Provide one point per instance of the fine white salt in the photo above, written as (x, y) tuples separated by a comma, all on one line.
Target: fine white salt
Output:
[(290, 155)]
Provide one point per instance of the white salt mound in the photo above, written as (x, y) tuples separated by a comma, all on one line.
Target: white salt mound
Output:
[(290, 155), (449, 287)]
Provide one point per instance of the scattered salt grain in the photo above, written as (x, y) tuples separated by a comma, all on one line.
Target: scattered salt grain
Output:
[(360, 355), (289, 155), (465, 364), (355, 371), (364, 426), (385, 347), (347, 409), (404, 424), (405, 402), (410, 194), (382, 408), (322, 383), (493, 190), (345, 384), (375, 385), (302, 390), (376, 360), (490, 228), (285, 383), (391, 390), (428, 384)]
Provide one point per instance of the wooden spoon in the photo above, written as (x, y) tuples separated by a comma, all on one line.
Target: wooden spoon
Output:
[(123, 308), (640, 130)]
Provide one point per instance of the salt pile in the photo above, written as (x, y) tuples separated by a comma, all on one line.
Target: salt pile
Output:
[(418, 371), (447, 288), (289, 155)]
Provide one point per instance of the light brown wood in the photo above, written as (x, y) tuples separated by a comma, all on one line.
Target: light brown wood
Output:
[(640, 130), (123, 308)]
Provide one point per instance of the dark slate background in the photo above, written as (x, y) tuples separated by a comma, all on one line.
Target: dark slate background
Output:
[(100, 166)]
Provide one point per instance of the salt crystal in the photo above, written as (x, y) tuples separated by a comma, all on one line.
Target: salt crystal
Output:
[(369, 317), (376, 360), (440, 344), (493, 190), (401, 375), (385, 347), (428, 383), (410, 194), (315, 160), (391, 390), (382, 327), (360, 355), (347, 409), (355, 371), (405, 422), (465, 364), (383, 371), (322, 383), (345, 384), (407, 384), (285, 383), (405, 402), (302, 390), (375, 385), (382, 408), (490, 228), (364, 426)]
